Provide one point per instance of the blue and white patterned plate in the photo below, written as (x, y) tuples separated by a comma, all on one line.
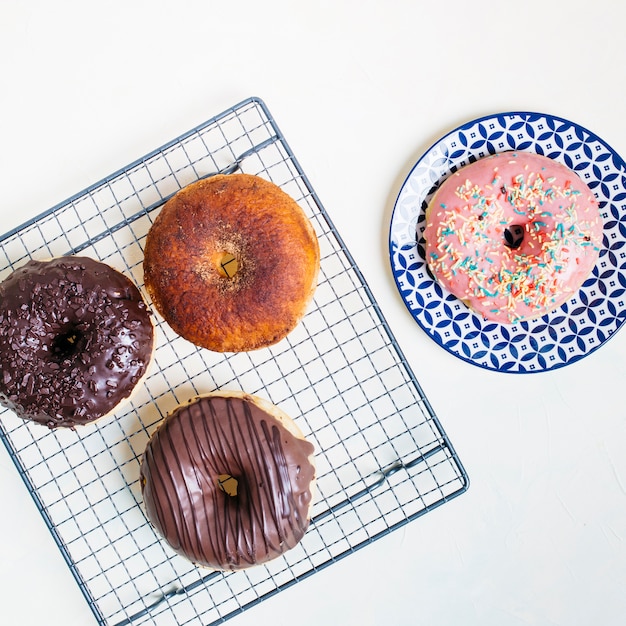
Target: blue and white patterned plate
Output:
[(571, 332)]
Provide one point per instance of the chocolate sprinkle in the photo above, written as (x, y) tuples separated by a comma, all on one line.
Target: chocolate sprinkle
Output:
[(75, 338)]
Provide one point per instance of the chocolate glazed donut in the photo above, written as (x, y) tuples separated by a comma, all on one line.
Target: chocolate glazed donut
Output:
[(227, 481), (76, 338)]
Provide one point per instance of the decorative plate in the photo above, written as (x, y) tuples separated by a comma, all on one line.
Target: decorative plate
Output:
[(569, 333)]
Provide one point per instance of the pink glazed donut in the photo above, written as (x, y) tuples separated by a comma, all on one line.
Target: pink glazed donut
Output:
[(513, 235)]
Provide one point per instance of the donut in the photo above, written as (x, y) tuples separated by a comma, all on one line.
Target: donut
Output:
[(231, 263), (513, 235), (227, 481), (76, 337)]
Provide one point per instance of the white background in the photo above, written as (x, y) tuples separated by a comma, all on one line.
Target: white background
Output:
[(360, 89)]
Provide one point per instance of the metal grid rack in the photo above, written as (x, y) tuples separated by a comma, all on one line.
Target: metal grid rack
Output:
[(383, 458)]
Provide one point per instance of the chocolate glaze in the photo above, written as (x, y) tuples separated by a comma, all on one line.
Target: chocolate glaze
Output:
[(75, 338), (191, 453)]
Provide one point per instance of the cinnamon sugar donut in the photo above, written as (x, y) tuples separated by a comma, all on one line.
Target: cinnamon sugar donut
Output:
[(514, 235), (231, 263), (76, 338), (227, 481)]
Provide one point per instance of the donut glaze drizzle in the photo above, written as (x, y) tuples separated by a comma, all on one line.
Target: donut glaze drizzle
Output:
[(75, 339), (216, 436)]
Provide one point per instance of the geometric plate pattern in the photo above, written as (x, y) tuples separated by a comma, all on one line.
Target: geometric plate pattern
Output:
[(569, 333)]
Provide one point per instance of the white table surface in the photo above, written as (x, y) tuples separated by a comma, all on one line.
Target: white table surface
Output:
[(360, 89)]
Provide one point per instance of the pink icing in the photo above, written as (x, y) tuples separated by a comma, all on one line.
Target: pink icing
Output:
[(466, 246)]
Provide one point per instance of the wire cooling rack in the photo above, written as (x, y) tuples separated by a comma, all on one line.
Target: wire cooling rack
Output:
[(383, 458)]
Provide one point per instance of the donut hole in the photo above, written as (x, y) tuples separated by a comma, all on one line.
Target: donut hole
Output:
[(67, 343), (513, 236), (227, 265), (228, 484)]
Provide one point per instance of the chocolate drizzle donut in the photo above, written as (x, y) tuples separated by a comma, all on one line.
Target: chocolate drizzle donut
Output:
[(227, 481), (75, 339)]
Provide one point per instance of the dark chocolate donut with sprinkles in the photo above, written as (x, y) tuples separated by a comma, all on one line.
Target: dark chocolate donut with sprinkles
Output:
[(227, 481), (76, 337)]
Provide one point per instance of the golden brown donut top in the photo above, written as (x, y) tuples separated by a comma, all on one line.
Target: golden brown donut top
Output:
[(227, 483), (276, 261)]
